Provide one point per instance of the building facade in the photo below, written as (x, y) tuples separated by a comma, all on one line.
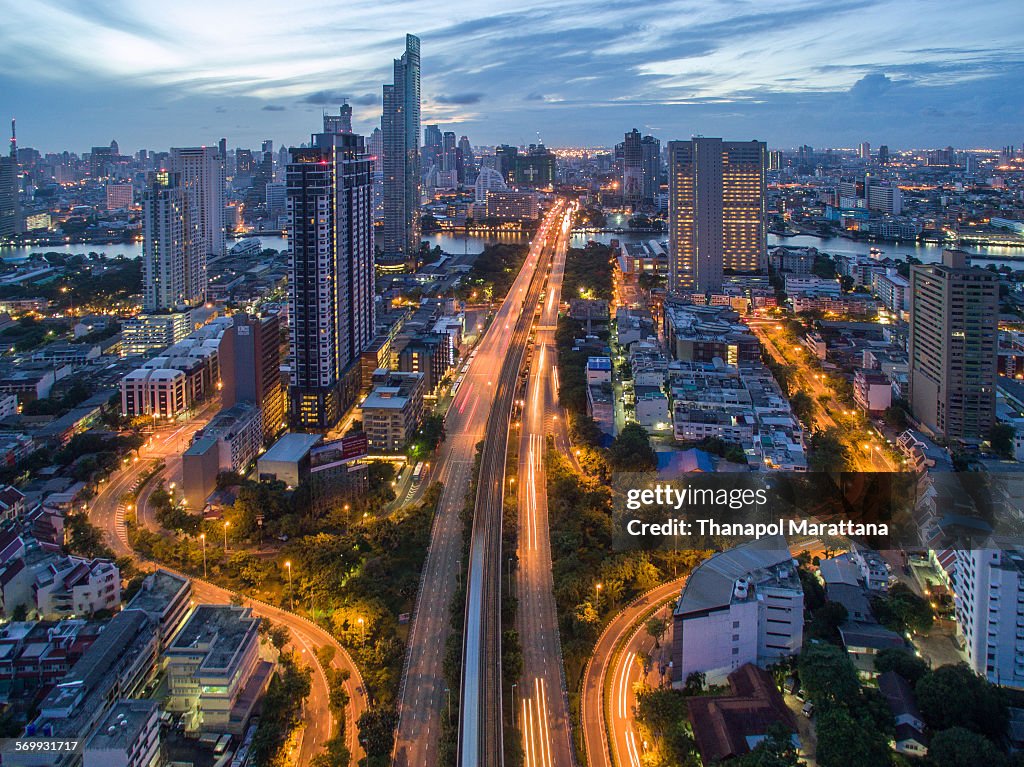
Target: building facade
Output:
[(400, 124), (953, 347), (173, 248), (717, 217), (331, 262), (203, 168)]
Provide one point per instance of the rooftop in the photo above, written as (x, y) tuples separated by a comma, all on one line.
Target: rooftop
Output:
[(292, 447), (123, 724), (218, 631)]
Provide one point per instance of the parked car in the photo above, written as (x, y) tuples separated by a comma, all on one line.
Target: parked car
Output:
[(808, 709)]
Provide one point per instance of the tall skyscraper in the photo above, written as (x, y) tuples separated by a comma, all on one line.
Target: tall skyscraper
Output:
[(506, 159), (330, 285), (341, 122), (650, 155), (953, 346), (173, 248), (433, 141), (10, 216), (864, 151), (467, 161), (632, 169), (717, 219), (400, 123), (203, 168), (250, 365)]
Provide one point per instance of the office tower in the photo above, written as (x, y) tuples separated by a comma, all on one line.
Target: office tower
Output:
[(883, 196), (10, 216), (883, 154), (375, 148), (341, 122), (276, 198), (864, 151), (536, 167), (953, 347), (990, 609), (119, 195), (505, 159), (775, 160), (100, 159), (717, 221), (244, 164), (202, 167), (467, 161), (173, 249), (268, 146), (650, 155), (250, 367), (401, 125), (433, 141), (632, 169), (330, 284)]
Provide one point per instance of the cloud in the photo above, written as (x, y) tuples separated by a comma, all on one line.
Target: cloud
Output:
[(871, 86), (366, 100), (323, 98), (273, 108), (460, 99), (535, 96)]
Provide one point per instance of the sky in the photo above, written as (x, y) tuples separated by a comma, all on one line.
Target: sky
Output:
[(906, 73)]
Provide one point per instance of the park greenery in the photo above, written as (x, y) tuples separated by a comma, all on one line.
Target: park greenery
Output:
[(493, 272)]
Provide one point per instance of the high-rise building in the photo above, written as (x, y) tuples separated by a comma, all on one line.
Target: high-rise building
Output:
[(341, 122), (433, 141), (632, 169), (10, 216), (202, 167), (864, 152), (244, 162), (650, 156), (989, 609), (506, 159), (717, 219), (119, 195), (535, 168), (250, 367), (953, 346), (330, 285), (173, 249), (883, 155), (400, 123), (467, 161)]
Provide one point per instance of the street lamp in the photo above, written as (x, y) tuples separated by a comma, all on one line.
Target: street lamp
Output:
[(597, 599), (291, 591), (226, 526), (202, 537), (362, 631)]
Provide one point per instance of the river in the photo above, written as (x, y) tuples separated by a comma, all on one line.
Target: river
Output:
[(458, 244)]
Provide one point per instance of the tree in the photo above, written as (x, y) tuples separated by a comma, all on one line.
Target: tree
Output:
[(828, 453), (908, 666), (902, 610), (377, 734), (954, 696), (959, 747), (1000, 437), (826, 620), (828, 675), (776, 750), (802, 405), (632, 451), (848, 737), (656, 628)]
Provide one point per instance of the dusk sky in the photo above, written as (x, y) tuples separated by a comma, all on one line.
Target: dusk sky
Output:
[(907, 73)]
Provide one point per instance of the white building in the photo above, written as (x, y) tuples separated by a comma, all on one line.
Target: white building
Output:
[(129, 736), (989, 607), (893, 290), (173, 248), (74, 586), (203, 168), (158, 393), (809, 285), (744, 605), (599, 370)]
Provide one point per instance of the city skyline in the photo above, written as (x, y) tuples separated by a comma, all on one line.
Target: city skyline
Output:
[(805, 73)]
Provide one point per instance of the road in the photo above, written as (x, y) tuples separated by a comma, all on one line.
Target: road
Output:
[(423, 696), (108, 512), (482, 712), (868, 452), (622, 670), (542, 709)]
